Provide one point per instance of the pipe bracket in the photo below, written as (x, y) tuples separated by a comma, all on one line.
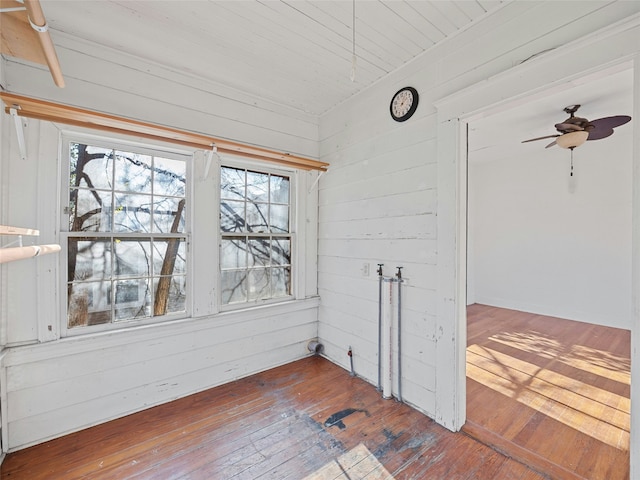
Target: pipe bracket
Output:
[(40, 29)]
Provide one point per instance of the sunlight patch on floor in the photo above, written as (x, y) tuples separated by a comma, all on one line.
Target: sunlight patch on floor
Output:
[(596, 412), (599, 362), (356, 464), (588, 359)]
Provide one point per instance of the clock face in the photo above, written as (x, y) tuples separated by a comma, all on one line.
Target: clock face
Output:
[(404, 104)]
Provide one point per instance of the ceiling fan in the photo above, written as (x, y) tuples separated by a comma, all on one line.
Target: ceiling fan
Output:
[(574, 131)]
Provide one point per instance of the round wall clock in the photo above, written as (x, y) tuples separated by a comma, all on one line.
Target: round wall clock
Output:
[(404, 104)]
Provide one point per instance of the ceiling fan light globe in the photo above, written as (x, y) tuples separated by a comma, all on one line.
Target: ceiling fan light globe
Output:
[(572, 139)]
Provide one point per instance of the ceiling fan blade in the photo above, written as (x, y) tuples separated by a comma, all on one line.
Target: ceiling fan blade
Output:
[(540, 138), (551, 144), (611, 122), (603, 127), (599, 133)]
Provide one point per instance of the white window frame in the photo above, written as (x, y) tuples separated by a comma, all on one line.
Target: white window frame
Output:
[(157, 149), (294, 223)]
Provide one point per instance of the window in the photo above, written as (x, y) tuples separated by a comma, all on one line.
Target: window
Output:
[(255, 246), (126, 234)]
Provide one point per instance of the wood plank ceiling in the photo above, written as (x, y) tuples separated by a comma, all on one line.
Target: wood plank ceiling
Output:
[(296, 53), (17, 38)]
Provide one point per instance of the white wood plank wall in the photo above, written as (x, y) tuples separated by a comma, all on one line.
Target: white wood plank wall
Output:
[(108, 81), (66, 385), (4, 154), (58, 385), (380, 198)]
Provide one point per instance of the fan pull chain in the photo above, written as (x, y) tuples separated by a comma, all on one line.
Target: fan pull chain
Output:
[(571, 163)]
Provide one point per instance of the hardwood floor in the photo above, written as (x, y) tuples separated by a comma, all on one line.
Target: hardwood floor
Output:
[(553, 393), (309, 420)]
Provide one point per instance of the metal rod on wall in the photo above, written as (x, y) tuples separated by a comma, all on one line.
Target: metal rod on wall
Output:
[(380, 326), (399, 322), (19, 253), (387, 340)]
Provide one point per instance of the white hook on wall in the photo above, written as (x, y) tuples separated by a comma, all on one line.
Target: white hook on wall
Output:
[(315, 182), (209, 159), (22, 145)]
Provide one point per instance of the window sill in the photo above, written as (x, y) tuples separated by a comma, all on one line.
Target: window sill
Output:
[(111, 338), (244, 306)]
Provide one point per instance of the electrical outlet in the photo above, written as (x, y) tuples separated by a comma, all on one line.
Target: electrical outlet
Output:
[(365, 269)]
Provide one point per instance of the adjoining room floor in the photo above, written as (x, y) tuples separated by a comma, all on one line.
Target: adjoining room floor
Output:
[(552, 392), (307, 420)]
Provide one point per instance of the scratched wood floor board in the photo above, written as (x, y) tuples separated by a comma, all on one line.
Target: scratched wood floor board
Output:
[(251, 428), (152, 425), (174, 454), (308, 420), (558, 389), (200, 429)]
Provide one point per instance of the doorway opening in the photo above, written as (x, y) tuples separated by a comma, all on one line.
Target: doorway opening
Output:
[(549, 285)]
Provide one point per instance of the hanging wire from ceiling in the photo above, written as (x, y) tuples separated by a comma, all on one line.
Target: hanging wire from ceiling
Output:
[(353, 44)]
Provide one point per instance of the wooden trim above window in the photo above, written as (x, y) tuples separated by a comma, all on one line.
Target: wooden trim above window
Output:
[(66, 114)]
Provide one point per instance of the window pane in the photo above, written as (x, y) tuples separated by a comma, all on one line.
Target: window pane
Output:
[(279, 189), (170, 295), (233, 252), (259, 284), (257, 187), (257, 217), (165, 211), (232, 183), (89, 304), (132, 213), (127, 291), (169, 256), (132, 299), (232, 216), (279, 218), (90, 211), (266, 210), (281, 252), (259, 252), (133, 172), (89, 258), (132, 257), (234, 286), (91, 167), (281, 282), (169, 177), (126, 195)]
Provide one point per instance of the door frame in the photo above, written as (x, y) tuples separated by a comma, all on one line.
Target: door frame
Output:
[(590, 57)]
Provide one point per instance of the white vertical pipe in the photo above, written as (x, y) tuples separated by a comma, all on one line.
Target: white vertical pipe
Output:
[(4, 421), (387, 338), (380, 282), (399, 336)]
